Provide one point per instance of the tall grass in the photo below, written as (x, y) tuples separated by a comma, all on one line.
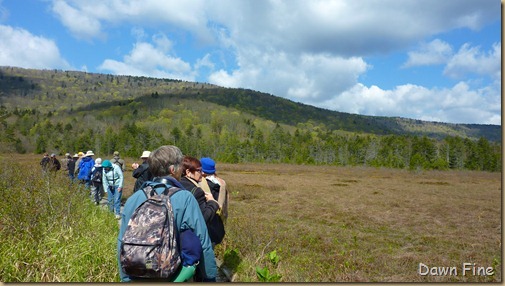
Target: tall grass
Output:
[(324, 224), (50, 231)]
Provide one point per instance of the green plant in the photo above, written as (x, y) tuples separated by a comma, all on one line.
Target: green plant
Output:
[(264, 274)]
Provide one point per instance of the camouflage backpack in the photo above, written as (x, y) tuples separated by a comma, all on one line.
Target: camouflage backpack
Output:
[(149, 247)]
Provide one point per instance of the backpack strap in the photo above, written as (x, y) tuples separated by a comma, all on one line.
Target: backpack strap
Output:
[(168, 190)]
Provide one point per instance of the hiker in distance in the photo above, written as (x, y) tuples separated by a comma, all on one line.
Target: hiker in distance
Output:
[(85, 165), (141, 172), (118, 161), (96, 181), (165, 166), (113, 182)]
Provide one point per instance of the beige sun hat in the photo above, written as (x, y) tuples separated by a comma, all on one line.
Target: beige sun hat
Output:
[(145, 154), (89, 153)]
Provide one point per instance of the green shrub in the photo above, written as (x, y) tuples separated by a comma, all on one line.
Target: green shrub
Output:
[(51, 231)]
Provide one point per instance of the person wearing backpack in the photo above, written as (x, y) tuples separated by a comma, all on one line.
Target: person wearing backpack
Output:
[(113, 182), (85, 167), (216, 185), (165, 166), (45, 162), (191, 177), (71, 167), (54, 164), (118, 161), (141, 172), (96, 181)]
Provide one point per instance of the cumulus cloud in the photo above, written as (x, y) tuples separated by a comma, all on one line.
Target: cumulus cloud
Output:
[(86, 19), (433, 53), (306, 77), (471, 60), (459, 104), (34, 52), (146, 59), (309, 51), (81, 24)]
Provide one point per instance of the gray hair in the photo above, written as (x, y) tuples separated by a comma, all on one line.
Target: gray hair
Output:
[(162, 158)]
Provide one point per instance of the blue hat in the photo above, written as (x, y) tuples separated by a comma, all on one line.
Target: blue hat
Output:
[(191, 248), (208, 165)]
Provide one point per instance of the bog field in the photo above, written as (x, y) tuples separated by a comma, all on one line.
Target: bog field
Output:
[(288, 223)]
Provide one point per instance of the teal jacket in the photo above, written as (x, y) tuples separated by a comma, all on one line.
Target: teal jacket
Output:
[(187, 216)]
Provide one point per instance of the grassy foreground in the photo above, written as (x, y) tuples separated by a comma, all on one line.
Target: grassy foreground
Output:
[(287, 223)]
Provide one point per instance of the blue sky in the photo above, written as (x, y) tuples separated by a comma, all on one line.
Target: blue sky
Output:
[(430, 60)]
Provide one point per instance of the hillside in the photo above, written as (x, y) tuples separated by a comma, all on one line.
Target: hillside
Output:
[(61, 91)]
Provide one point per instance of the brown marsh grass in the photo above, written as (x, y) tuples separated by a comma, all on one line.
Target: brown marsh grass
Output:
[(333, 224), (352, 224)]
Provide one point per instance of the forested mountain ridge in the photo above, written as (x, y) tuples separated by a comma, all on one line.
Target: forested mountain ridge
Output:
[(57, 91), (65, 111)]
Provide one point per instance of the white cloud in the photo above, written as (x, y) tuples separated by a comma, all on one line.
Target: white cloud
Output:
[(20, 48), (146, 59), (433, 53), (308, 51), (458, 104), (87, 19), (82, 25), (305, 78), (471, 60)]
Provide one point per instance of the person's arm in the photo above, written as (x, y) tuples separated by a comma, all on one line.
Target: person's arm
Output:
[(105, 180), (189, 216), (138, 171), (120, 179), (207, 207)]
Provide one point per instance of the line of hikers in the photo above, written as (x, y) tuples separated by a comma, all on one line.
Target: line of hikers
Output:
[(96, 176), (172, 221)]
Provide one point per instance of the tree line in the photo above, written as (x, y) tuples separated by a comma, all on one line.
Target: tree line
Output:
[(233, 137)]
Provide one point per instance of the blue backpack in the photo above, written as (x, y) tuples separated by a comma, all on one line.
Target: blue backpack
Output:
[(85, 170)]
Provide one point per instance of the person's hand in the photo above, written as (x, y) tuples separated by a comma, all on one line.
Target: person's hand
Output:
[(119, 189), (135, 166), (209, 197)]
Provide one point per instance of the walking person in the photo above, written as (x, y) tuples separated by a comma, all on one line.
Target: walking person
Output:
[(118, 161), (85, 167), (96, 181), (44, 163), (141, 172), (113, 183), (64, 161), (54, 165), (71, 167), (165, 165)]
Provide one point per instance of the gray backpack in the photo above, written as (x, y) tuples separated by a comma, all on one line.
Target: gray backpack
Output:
[(149, 246)]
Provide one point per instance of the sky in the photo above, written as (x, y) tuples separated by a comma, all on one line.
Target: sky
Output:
[(430, 60)]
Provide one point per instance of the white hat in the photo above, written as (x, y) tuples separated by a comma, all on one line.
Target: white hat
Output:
[(76, 155), (89, 153), (98, 162), (67, 154), (145, 154)]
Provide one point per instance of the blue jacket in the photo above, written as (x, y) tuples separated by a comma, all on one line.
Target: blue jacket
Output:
[(187, 216), (85, 166)]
